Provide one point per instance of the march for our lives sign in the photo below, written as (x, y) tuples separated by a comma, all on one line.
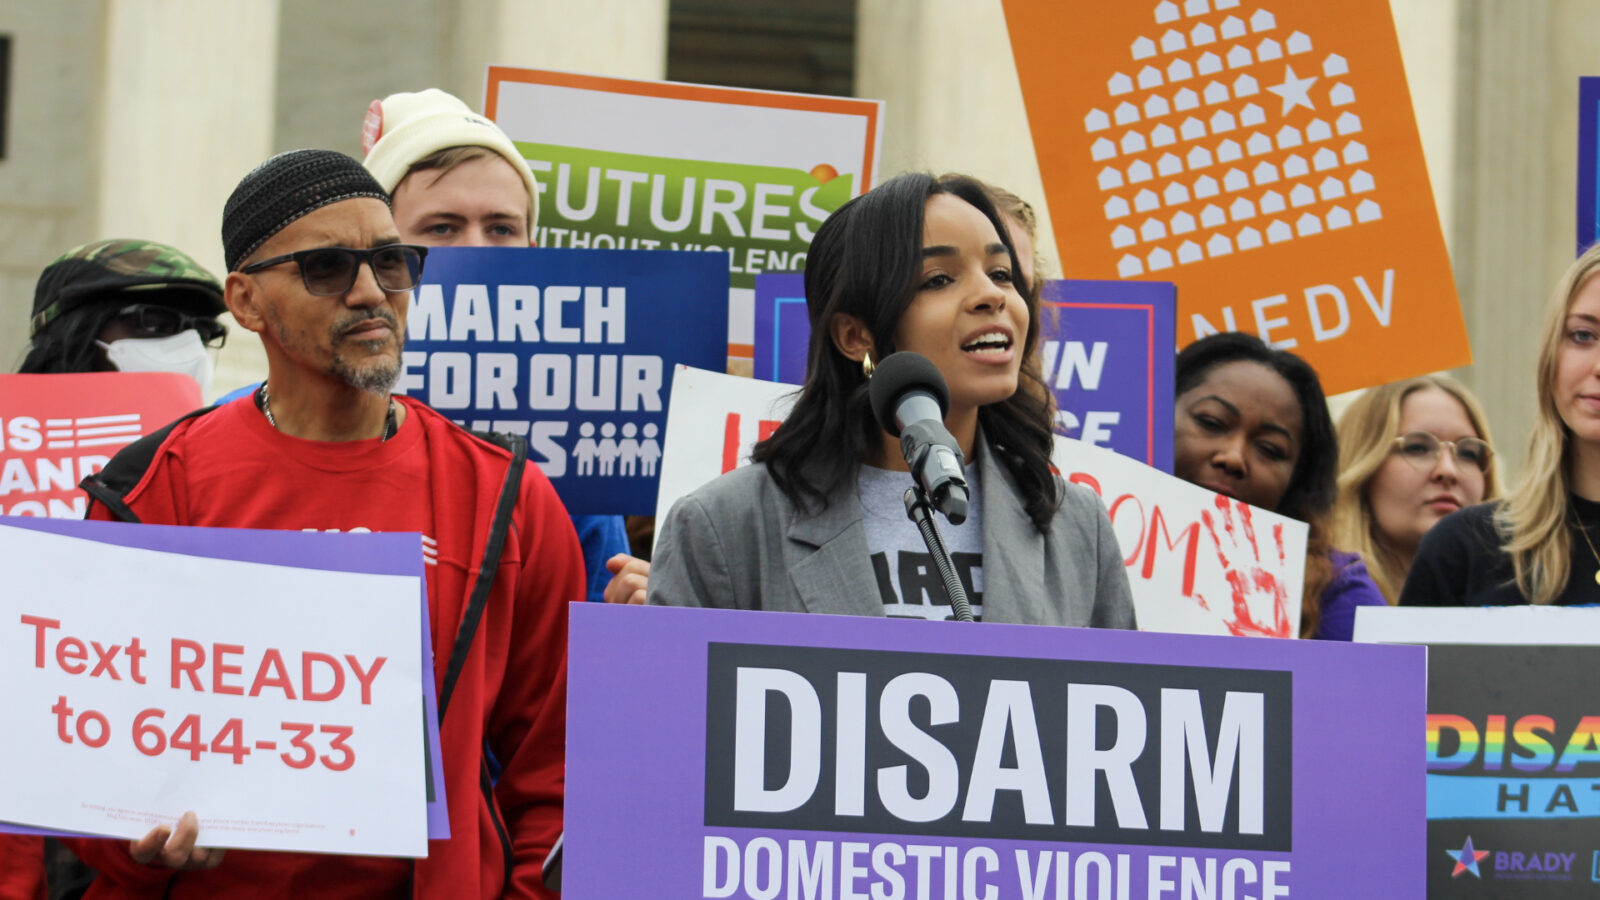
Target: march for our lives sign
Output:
[(1105, 351), (572, 349)]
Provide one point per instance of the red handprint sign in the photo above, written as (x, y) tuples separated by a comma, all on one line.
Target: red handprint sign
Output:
[(1197, 562), (1258, 604)]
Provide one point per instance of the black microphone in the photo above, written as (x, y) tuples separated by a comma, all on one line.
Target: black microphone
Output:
[(909, 399)]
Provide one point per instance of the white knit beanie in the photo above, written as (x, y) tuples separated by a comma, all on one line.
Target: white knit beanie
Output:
[(403, 128)]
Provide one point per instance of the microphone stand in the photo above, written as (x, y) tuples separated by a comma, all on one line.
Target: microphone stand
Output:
[(920, 511)]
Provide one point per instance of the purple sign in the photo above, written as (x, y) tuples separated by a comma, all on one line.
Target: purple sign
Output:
[(388, 553), (1588, 162), (1106, 350), (783, 328), (1107, 353), (781, 755)]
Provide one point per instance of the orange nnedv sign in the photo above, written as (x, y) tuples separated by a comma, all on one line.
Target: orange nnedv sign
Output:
[(1262, 156)]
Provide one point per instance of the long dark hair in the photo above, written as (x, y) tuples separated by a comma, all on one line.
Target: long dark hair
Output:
[(1314, 484), (67, 345), (865, 262)]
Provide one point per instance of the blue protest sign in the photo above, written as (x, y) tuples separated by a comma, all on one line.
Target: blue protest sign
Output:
[(1588, 162), (783, 328), (1106, 351), (573, 349)]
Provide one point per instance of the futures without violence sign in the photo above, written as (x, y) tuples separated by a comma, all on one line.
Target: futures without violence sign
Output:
[(1263, 157), (831, 757), (645, 165)]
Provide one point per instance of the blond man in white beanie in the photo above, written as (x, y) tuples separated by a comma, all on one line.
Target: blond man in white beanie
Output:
[(456, 180)]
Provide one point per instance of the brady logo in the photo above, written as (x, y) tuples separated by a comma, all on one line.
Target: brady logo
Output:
[(1467, 859), (912, 743), (1547, 865)]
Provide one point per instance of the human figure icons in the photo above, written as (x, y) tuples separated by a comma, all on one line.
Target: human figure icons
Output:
[(649, 451), (608, 448), (636, 453), (628, 449), (587, 449)]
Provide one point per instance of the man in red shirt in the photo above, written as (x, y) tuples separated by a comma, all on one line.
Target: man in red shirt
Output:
[(316, 267)]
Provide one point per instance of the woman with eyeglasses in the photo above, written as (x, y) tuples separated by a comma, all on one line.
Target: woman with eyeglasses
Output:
[(128, 306), (1413, 452), (1250, 422), (1538, 545)]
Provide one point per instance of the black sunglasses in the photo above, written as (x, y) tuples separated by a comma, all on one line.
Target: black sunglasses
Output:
[(155, 320), (331, 271)]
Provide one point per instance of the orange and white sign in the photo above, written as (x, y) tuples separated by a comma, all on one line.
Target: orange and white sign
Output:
[(56, 430), (1262, 156)]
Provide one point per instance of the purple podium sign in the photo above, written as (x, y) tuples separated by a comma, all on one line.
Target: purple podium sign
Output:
[(717, 754)]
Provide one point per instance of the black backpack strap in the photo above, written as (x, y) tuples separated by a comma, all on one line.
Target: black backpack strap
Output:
[(509, 491), (128, 467)]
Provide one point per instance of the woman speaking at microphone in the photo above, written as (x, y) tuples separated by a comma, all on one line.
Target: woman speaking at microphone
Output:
[(818, 522)]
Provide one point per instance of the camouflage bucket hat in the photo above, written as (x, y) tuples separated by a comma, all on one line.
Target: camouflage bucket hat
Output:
[(104, 269)]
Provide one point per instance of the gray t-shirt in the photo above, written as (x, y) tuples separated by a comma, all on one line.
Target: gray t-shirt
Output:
[(908, 581)]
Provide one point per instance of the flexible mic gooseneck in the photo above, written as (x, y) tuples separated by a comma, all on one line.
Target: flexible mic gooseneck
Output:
[(909, 399)]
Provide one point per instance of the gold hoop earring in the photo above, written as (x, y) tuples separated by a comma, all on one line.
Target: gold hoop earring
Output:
[(866, 365)]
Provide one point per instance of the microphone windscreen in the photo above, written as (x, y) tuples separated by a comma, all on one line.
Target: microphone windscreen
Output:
[(895, 376)]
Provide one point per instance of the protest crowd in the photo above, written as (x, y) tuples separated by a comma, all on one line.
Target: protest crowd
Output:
[(1400, 495)]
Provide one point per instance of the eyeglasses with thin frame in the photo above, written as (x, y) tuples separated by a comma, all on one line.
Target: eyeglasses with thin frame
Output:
[(1421, 449), (332, 271), (155, 320)]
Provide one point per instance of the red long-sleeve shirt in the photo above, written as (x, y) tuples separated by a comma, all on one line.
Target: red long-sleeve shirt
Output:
[(230, 468)]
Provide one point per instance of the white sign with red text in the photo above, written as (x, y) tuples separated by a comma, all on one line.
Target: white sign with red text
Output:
[(1197, 562), (715, 419), (278, 703)]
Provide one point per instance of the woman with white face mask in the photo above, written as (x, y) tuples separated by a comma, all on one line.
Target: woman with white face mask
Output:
[(117, 305), (125, 306)]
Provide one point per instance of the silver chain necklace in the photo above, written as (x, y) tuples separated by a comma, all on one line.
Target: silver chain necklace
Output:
[(389, 426)]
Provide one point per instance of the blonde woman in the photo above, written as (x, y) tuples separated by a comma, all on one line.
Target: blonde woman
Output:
[(1539, 544), (1414, 452)]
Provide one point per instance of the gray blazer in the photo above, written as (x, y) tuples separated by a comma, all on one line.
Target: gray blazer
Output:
[(738, 543)]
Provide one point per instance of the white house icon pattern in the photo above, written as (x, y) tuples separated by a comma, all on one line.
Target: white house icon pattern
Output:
[(1228, 136)]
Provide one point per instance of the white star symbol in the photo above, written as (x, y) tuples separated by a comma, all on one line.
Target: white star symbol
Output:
[(1293, 90)]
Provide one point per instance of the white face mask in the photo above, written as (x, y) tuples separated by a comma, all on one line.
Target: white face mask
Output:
[(182, 352)]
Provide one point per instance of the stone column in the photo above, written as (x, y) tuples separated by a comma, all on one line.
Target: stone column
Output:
[(49, 178), (953, 103), (1514, 196), (186, 110), (621, 38)]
